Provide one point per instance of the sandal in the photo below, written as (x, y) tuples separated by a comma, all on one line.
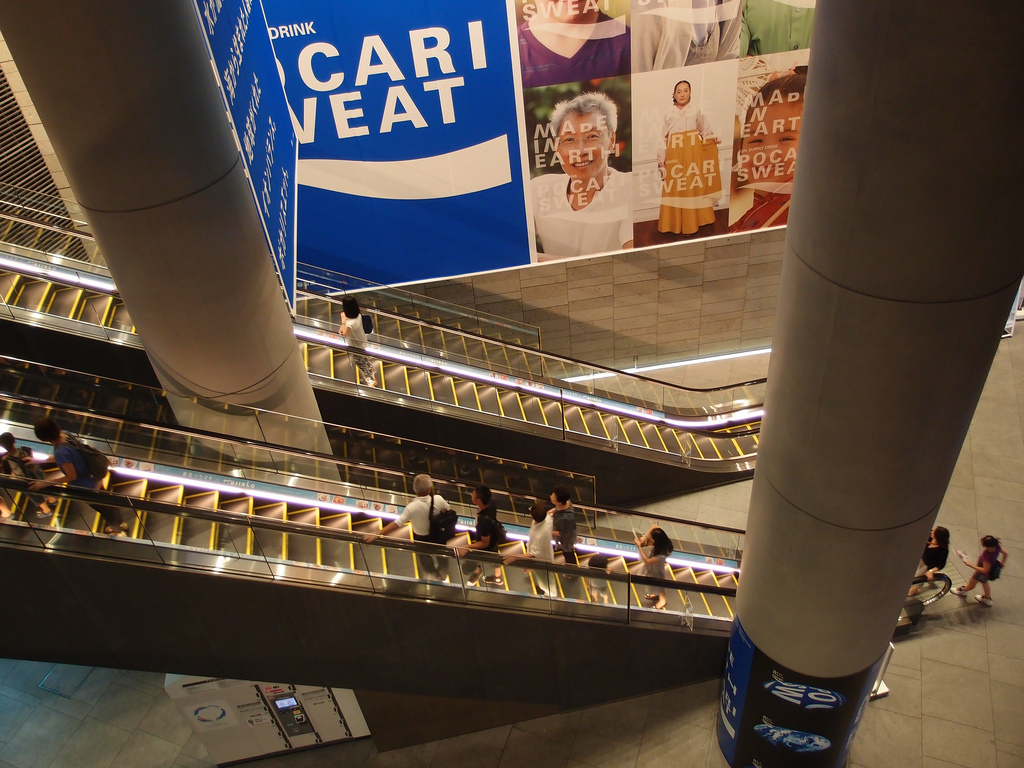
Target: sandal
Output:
[(650, 597)]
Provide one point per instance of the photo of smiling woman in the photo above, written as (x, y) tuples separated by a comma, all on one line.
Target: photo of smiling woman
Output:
[(586, 207), (687, 165)]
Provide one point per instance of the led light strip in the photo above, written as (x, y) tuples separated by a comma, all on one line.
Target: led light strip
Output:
[(666, 366), (280, 497), (66, 275), (514, 382)]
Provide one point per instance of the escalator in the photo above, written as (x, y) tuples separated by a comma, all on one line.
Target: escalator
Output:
[(117, 417), (225, 538), (303, 485), (490, 388), (929, 593), (367, 458), (383, 298)]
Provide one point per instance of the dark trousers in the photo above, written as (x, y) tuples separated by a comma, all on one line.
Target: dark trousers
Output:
[(429, 565)]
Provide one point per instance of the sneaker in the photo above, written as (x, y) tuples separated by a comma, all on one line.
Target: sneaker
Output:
[(959, 592), (983, 600), (494, 581)]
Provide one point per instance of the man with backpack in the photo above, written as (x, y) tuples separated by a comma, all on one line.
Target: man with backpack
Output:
[(564, 524), (78, 471), (489, 535), (431, 518)]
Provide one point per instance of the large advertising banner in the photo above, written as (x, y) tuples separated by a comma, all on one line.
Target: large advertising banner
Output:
[(410, 163), (247, 72), (445, 137)]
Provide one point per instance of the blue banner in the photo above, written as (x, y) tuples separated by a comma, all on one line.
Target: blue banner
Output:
[(249, 78), (772, 715), (409, 143)]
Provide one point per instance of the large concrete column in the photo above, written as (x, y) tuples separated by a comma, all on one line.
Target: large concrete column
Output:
[(902, 260), (127, 94)]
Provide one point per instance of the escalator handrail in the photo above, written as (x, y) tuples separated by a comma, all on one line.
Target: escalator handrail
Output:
[(108, 498), (416, 299), (248, 442), (529, 350), (947, 585), (306, 453), (541, 353), (59, 278)]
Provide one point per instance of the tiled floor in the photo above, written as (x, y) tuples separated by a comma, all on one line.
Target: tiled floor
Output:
[(116, 719), (957, 682)]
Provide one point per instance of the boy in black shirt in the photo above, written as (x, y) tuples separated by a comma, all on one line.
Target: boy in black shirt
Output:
[(488, 537)]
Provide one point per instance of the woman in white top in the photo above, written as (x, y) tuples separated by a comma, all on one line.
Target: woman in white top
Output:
[(352, 330), (539, 545), (688, 166)]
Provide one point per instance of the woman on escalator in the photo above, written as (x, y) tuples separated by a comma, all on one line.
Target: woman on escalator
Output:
[(354, 332), (933, 559), (655, 563)]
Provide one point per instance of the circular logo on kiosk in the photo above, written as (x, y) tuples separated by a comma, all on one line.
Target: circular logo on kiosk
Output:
[(210, 714)]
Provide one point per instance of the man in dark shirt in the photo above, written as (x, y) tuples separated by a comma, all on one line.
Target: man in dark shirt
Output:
[(486, 537), (75, 473), (564, 524)]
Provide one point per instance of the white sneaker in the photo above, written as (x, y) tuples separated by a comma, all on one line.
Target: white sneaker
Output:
[(959, 592), (983, 600)]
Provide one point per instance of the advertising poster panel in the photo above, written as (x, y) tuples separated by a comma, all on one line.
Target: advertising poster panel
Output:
[(247, 72), (445, 137), (770, 103), (406, 113), (773, 717)]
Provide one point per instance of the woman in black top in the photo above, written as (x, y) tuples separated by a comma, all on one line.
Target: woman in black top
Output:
[(933, 559)]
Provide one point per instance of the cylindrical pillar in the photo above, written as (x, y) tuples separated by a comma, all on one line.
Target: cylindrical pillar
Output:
[(129, 99), (902, 260)]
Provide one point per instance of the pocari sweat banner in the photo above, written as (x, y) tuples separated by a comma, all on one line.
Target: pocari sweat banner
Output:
[(410, 163)]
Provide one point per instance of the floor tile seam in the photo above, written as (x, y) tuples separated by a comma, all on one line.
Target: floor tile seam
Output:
[(905, 673), (896, 672), (580, 732), (712, 745), (989, 496), (947, 662), (1009, 748), (990, 731)]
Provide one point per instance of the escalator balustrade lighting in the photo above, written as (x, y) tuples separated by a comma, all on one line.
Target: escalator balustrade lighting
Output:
[(335, 502), (526, 385), (64, 275)]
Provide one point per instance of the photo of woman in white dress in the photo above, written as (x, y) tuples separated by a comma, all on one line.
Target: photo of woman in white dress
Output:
[(688, 166)]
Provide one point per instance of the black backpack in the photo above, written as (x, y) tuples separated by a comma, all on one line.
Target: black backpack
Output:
[(97, 464), (498, 535), (367, 323), (442, 525), (18, 464), (995, 570)]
